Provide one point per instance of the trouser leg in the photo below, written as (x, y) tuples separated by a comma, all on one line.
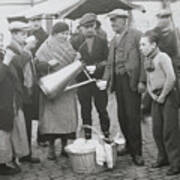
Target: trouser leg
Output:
[(171, 133), (158, 124), (101, 101), (121, 110), (85, 97), (129, 114)]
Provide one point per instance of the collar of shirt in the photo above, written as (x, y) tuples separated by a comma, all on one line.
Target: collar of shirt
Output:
[(119, 36), (89, 42)]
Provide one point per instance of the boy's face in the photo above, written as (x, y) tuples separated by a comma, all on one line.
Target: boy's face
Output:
[(20, 36), (146, 47)]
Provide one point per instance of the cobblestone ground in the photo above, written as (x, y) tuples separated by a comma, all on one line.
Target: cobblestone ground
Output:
[(125, 169)]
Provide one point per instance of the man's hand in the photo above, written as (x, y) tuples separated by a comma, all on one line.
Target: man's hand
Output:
[(161, 99), (91, 69), (101, 84), (8, 57), (53, 62), (141, 87)]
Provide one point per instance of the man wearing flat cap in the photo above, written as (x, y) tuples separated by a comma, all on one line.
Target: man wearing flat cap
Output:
[(19, 31), (125, 75), (94, 52)]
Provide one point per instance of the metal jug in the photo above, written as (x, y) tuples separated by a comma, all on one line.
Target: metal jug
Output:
[(55, 83)]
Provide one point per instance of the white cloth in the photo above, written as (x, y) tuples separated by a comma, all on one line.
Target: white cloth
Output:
[(19, 136), (100, 155), (109, 155)]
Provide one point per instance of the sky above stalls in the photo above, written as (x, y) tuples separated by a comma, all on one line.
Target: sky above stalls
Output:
[(20, 2)]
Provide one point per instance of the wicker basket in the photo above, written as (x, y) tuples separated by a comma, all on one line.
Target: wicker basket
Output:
[(86, 162)]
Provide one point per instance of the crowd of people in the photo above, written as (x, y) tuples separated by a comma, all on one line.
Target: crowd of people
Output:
[(142, 69)]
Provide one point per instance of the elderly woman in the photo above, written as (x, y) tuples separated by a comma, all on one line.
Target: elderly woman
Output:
[(58, 117)]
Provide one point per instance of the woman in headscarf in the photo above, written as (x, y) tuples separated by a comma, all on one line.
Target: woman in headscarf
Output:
[(58, 117)]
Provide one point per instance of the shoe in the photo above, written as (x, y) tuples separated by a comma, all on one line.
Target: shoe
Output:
[(173, 171), (123, 152), (160, 164), (138, 160), (30, 159), (7, 170), (107, 138)]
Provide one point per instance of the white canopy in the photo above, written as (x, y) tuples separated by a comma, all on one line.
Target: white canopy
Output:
[(49, 7)]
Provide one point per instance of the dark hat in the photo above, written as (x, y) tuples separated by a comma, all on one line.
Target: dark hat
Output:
[(89, 18), (163, 13), (59, 27)]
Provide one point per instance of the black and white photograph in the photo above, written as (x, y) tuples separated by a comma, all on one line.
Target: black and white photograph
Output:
[(89, 89)]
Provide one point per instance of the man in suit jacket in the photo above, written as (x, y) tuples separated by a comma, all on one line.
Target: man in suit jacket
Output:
[(94, 52), (125, 75)]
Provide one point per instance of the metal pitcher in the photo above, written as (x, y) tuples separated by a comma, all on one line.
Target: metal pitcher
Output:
[(55, 83)]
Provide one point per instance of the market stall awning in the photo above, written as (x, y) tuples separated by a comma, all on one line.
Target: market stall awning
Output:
[(74, 9), (20, 2), (50, 7), (101, 7)]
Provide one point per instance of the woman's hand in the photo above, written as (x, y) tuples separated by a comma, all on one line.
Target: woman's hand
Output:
[(53, 63)]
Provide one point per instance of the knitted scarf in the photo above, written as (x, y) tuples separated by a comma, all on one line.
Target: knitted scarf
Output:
[(148, 62)]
